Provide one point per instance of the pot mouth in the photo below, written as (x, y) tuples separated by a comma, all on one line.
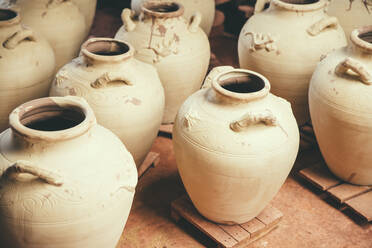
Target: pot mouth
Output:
[(9, 17), (242, 85), (107, 49), (362, 38), (52, 118), (162, 9), (300, 5)]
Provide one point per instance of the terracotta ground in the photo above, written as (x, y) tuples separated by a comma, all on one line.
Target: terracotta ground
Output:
[(308, 220)]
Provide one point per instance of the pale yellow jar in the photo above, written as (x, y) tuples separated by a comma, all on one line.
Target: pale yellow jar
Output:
[(235, 144), (178, 49), (65, 181), (285, 42), (205, 7), (59, 21), (27, 64), (126, 94), (352, 14), (340, 99)]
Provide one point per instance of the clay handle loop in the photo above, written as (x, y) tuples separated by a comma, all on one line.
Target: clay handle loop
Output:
[(213, 73), (322, 24), (22, 35), (194, 22), (23, 166), (260, 5), (351, 64), (250, 119), (107, 78), (126, 17)]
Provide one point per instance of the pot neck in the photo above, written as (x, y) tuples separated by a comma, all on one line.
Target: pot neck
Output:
[(156, 9), (239, 86), (299, 6), (51, 120), (9, 18), (106, 51), (361, 42)]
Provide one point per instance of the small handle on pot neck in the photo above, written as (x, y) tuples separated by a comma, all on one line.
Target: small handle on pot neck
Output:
[(194, 22), (260, 5), (126, 17), (105, 79), (23, 166), (351, 64), (25, 34), (321, 25), (266, 117), (55, 3), (214, 73)]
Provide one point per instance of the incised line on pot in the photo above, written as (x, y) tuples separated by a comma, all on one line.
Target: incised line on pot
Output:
[(261, 41)]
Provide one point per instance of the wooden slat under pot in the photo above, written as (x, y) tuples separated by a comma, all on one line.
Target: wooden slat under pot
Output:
[(362, 205), (152, 159), (345, 191)]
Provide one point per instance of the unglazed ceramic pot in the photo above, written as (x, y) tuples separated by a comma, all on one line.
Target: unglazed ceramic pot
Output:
[(65, 181), (235, 144), (340, 98), (352, 14), (288, 50), (88, 8), (178, 49), (205, 7), (126, 94), (59, 21), (27, 65)]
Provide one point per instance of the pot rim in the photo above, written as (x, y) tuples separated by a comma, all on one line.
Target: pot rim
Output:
[(14, 19), (244, 97), (300, 7), (358, 41), (146, 8), (85, 51), (68, 102)]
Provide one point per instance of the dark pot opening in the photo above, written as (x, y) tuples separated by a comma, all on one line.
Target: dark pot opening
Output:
[(107, 48), (163, 7), (7, 14), (300, 1), (244, 84), (367, 37)]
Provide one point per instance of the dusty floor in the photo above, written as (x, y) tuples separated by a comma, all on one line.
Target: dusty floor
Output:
[(308, 220)]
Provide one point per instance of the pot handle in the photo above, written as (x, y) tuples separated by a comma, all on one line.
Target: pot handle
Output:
[(351, 64), (55, 3), (319, 26), (25, 34), (266, 117), (23, 166), (260, 5), (194, 22), (213, 73), (126, 17), (108, 77)]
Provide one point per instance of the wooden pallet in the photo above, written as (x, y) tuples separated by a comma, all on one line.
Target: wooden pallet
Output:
[(347, 196), (236, 236), (152, 159)]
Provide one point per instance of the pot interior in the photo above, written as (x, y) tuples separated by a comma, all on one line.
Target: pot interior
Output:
[(52, 118), (107, 48), (243, 84), (367, 37), (7, 14), (163, 7), (300, 1)]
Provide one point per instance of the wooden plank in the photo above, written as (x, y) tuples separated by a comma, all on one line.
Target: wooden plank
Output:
[(254, 227), (362, 205), (270, 216), (236, 231), (152, 159), (187, 211), (345, 191), (168, 128), (320, 176)]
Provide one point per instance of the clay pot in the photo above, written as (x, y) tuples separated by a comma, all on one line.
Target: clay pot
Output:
[(88, 8), (27, 65), (205, 7), (59, 21), (351, 14), (235, 144), (178, 49), (340, 98), (288, 56), (126, 94), (65, 181)]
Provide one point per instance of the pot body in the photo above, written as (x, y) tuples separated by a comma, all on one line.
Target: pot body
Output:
[(27, 65), (88, 8), (231, 175), (60, 22), (79, 194), (129, 102), (288, 56), (341, 114), (351, 14), (205, 7), (172, 45)]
